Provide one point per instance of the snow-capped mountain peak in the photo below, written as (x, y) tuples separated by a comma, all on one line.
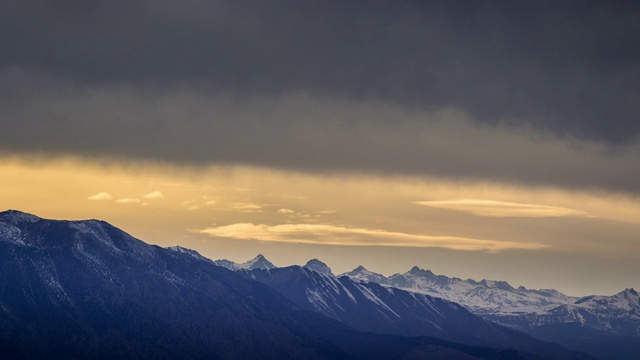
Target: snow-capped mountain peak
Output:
[(362, 274), (259, 262), (319, 266)]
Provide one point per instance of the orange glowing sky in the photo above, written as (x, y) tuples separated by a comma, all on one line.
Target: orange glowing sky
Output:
[(527, 236), (496, 140)]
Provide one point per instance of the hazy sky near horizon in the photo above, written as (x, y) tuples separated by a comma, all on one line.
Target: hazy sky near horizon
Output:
[(477, 139)]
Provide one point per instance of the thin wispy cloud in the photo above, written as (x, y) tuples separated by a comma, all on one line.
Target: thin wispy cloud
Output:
[(128, 201), (100, 196), (343, 236), (154, 195), (288, 196), (245, 207), (285, 211), (496, 208)]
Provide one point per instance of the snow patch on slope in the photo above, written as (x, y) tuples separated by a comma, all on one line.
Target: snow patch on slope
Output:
[(375, 299)]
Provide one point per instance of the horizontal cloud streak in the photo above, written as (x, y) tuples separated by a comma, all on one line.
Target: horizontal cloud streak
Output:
[(100, 196), (245, 207), (496, 208), (128, 201), (154, 195), (343, 236)]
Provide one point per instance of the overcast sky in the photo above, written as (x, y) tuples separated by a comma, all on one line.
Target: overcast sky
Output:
[(525, 98)]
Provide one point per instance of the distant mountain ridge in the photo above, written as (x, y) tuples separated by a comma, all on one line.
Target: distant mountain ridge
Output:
[(371, 307), (608, 326), (481, 297), (618, 314), (498, 301), (520, 308)]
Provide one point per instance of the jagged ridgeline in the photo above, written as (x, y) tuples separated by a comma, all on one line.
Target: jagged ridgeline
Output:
[(606, 326)]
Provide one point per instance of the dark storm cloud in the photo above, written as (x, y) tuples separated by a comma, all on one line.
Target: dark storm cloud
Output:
[(571, 67), (298, 132), (474, 90)]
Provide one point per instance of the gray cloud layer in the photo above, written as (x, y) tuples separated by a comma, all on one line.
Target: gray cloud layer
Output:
[(220, 81), (572, 67)]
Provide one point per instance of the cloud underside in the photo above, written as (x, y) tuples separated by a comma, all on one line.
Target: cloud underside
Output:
[(495, 208), (343, 236)]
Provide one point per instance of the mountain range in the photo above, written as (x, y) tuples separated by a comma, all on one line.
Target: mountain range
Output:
[(371, 307), (485, 297), (606, 326), (499, 301), (87, 290)]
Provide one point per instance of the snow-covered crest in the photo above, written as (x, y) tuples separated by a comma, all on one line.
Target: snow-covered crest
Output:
[(319, 266), (482, 297), (259, 262)]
